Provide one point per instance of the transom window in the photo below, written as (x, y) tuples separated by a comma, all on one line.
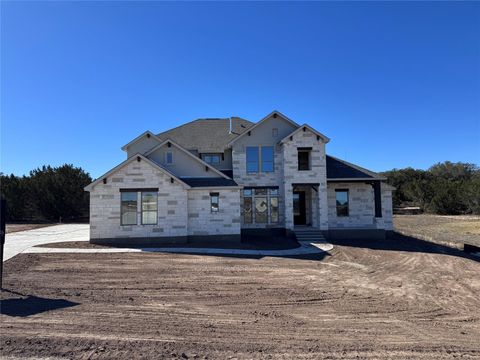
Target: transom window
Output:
[(303, 159), (341, 199), (260, 205), (212, 158)]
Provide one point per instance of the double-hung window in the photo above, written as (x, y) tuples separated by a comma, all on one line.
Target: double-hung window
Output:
[(267, 159), (252, 159), (341, 199)]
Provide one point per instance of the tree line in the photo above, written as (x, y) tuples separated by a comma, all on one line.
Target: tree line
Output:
[(445, 188), (56, 194), (47, 194)]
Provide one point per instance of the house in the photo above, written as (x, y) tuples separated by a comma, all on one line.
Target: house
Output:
[(228, 178)]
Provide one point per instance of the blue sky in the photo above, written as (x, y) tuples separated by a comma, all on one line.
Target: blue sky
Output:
[(393, 84)]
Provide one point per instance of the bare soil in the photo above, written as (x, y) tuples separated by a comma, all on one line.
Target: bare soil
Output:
[(11, 228), (278, 243), (395, 299), (449, 230)]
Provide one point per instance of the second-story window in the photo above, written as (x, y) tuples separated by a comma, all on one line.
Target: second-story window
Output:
[(169, 158), (303, 159), (252, 159), (212, 158), (267, 159)]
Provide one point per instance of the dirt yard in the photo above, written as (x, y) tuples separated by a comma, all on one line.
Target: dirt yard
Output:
[(11, 228), (449, 230), (396, 299)]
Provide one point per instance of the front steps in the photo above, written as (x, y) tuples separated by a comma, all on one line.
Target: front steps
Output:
[(308, 234)]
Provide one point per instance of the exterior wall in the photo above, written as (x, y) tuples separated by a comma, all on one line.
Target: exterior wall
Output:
[(262, 136), (201, 221), (183, 164), (361, 207), (142, 146), (316, 174), (105, 204)]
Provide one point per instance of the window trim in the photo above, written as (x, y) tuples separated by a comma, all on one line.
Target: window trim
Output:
[(341, 206), (211, 156)]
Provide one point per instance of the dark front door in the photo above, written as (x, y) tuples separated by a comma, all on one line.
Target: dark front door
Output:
[(299, 217)]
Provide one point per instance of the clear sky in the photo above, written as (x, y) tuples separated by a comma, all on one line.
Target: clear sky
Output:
[(393, 84)]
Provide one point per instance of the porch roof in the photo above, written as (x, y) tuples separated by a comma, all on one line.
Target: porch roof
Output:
[(341, 170)]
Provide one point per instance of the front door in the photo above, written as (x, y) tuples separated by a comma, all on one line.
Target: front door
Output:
[(299, 212)]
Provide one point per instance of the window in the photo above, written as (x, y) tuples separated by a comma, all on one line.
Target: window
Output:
[(274, 132), (261, 209), (212, 158), (263, 202), (274, 209), (149, 208), (214, 202), (267, 158), (341, 197), (169, 158), (303, 159), (252, 159), (128, 208)]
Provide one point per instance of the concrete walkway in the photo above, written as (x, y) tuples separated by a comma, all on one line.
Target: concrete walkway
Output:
[(305, 248), (25, 242), (18, 242)]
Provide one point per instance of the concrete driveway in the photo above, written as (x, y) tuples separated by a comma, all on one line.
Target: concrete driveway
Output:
[(17, 242)]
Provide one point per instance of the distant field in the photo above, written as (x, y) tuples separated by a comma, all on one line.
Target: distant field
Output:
[(450, 230), (10, 228)]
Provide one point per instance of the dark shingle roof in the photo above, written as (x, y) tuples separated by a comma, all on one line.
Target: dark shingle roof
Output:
[(337, 169), (205, 182), (206, 135)]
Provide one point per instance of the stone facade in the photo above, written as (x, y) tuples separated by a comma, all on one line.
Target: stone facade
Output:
[(316, 175), (105, 204), (361, 207), (202, 221), (185, 212)]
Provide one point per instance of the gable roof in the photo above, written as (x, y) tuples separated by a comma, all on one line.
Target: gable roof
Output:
[(188, 153), (300, 128), (273, 113), (126, 162), (206, 135), (146, 133), (338, 169)]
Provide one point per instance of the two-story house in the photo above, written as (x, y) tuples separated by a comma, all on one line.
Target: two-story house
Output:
[(228, 178)]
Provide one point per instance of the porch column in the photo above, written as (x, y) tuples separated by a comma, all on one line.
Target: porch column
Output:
[(288, 200), (377, 193)]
